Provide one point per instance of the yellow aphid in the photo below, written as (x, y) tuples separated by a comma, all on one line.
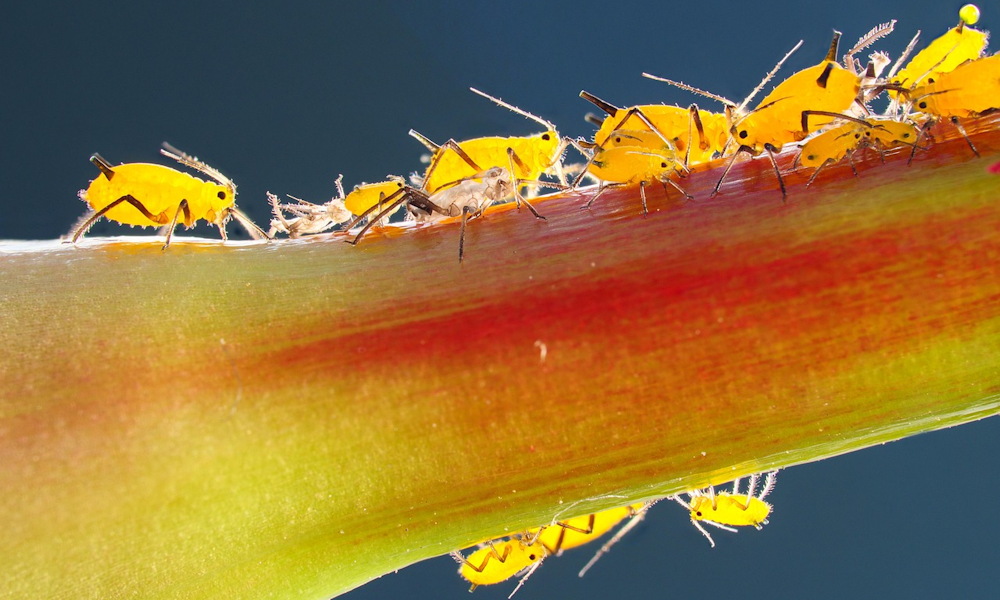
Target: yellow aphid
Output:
[(956, 46), (499, 560), (696, 135), (969, 90), (634, 156), (527, 157), (151, 195), (727, 510), (841, 141), (570, 533), (777, 119)]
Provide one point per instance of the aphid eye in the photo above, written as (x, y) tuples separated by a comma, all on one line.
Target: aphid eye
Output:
[(546, 136), (699, 513), (922, 105), (930, 80), (531, 556), (222, 195), (906, 135), (743, 134), (811, 157), (618, 140), (663, 165)]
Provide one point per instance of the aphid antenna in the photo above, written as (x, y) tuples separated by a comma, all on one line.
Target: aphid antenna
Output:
[(192, 161), (547, 124), (866, 40), (527, 574), (692, 89), (906, 53), (743, 105), (632, 524)]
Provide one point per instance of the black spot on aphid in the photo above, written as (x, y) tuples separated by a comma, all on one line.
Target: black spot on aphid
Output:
[(546, 136), (663, 165), (222, 195), (743, 134), (930, 80), (906, 135), (618, 140), (531, 556), (698, 513), (923, 104), (812, 157)]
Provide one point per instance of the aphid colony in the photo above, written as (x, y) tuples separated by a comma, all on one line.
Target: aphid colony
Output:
[(501, 558), (823, 112)]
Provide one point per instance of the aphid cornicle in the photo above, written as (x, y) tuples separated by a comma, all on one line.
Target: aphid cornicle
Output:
[(154, 195)]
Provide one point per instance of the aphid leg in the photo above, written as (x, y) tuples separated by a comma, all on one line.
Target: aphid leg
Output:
[(492, 554), (183, 206), (632, 524), (279, 223), (393, 202), (513, 159), (751, 488), (818, 169), (958, 126), (770, 479), (642, 195), (667, 180), (600, 190), (923, 130), (774, 162), (103, 165), (87, 224), (461, 236), (850, 160), (729, 167)]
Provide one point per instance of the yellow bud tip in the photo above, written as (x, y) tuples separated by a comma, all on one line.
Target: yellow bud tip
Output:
[(969, 14)]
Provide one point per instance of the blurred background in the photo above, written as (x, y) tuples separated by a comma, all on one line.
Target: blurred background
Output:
[(283, 97)]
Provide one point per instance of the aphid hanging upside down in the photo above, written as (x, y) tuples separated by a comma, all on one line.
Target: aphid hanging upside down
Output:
[(499, 560), (153, 195), (727, 510)]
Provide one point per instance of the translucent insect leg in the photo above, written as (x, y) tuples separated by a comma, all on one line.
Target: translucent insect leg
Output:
[(818, 169), (513, 159), (958, 126), (729, 167), (632, 524), (770, 149), (89, 222), (770, 479), (751, 488), (676, 186), (392, 202), (183, 206)]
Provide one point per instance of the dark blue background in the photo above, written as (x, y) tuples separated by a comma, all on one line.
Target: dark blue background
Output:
[(284, 96)]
